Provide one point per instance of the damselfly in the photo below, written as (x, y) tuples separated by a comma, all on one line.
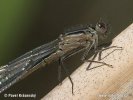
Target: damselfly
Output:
[(84, 37)]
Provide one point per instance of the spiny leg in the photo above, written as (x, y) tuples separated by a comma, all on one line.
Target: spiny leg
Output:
[(66, 71), (59, 72), (94, 67), (100, 51), (94, 56), (103, 63), (99, 57), (89, 46), (62, 65)]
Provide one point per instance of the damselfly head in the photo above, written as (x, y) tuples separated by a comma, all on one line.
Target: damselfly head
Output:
[(102, 28)]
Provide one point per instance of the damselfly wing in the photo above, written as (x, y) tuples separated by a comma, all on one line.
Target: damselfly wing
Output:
[(16, 69)]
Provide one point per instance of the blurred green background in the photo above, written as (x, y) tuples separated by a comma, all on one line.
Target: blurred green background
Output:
[(26, 24)]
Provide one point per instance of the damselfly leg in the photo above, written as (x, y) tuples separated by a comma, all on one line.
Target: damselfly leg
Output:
[(99, 53), (59, 72), (103, 49), (61, 59), (87, 49)]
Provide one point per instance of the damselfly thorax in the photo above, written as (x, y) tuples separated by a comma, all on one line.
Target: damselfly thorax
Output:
[(70, 42)]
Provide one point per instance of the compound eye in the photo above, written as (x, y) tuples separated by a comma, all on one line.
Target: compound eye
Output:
[(101, 27)]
